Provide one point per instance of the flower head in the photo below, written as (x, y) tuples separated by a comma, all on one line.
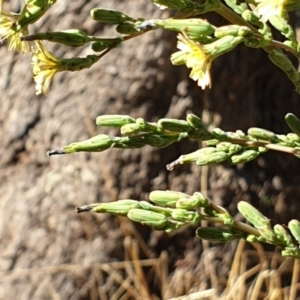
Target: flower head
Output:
[(269, 8), (196, 57), (9, 32), (45, 66)]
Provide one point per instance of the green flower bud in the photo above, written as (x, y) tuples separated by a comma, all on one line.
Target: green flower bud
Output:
[(262, 134), (213, 158), (120, 207), (283, 235), (176, 4), (183, 215), (95, 144), (294, 227), (102, 44), (129, 142), (192, 27), (78, 63), (293, 137), (146, 126), (166, 198), (217, 234), (243, 157), (219, 134), (191, 157), (196, 201), (291, 252), (32, 11), (129, 129), (228, 147), (108, 16), (71, 37), (115, 121), (267, 233), (174, 125), (252, 215), (293, 122), (232, 30), (154, 140), (148, 218), (195, 122), (127, 28)]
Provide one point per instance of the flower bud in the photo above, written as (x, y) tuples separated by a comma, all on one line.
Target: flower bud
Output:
[(293, 122), (243, 157), (71, 37), (120, 207), (183, 215), (148, 218), (262, 134), (174, 125), (115, 121), (294, 227), (102, 44), (252, 215), (217, 234), (166, 198), (95, 144), (108, 16), (214, 158)]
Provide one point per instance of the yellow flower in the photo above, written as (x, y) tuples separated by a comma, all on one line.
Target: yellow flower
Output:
[(269, 8), (45, 66), (196, 57), (8, 32)]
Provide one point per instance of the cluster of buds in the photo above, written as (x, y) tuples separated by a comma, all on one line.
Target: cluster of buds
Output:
[(172, 210), (234, 147)]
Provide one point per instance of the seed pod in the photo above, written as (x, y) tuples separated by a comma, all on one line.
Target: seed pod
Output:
[(214, 158), (243, 157), (294, 227), (174, 125), (95, 144), (103, 44), (293, 122), (252, 215), (149, 218), (217, 234), (115, 121), (262, 134), (166, 198), (108, 16), (71, 37), (154, 140)]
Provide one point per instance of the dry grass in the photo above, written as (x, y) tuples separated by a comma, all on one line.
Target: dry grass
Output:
[(255, 274)]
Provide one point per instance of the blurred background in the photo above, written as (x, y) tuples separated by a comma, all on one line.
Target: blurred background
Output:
[(47, 251)]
